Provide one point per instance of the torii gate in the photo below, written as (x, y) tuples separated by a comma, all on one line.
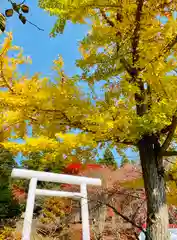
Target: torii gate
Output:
[(35, 176)]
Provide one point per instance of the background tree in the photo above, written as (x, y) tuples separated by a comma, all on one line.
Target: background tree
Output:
[(9, 207), (38, 161), (108, 159), (124, 161)]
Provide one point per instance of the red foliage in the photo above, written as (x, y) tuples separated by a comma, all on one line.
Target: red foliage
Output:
[(172, 225), (66, 186), (110, 212), (75, 168), (167, 14), (94, 166), (18, 193)]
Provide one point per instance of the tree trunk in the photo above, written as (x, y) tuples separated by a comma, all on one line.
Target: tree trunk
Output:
[(157, 210)]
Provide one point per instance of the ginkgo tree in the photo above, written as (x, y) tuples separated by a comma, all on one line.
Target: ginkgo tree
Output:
[(40, 104), (130, 46)]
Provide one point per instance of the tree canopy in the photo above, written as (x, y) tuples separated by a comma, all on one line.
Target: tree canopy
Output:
[(124, 160), (52, 98), (45, 104), (119, 46)]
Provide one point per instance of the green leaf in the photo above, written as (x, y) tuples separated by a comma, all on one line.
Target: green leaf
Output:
[(58, 27)]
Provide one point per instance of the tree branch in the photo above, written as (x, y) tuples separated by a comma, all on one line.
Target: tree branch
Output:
[(126, 142), (98, 6), (25, 17), (124, 217), (167, 160), (137, 210), (131, 71), (169, 153), (169, 137), (4, 79), (163, 51), (166, 129), (40, 29), (109, 22), (80, 125), (19, 3), (136, 32), (141, 107)]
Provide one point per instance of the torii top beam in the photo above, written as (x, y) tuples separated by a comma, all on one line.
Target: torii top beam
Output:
[(54, 177)]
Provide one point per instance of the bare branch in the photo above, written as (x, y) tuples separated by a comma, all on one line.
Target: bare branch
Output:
[(19, 3), (169, 161), (169, 137), (124, 217), (137, 210), (22, 2), (25, 18), (40, 29)]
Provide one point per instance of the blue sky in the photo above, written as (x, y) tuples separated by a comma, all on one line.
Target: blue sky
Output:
[(43, 49), (38, 45)]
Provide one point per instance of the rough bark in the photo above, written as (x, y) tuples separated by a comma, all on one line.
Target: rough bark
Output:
[(157, 211)]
